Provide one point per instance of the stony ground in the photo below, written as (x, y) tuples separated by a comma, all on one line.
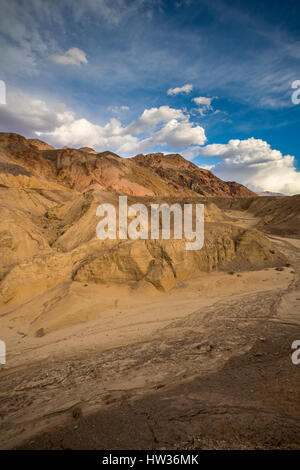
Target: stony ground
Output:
[(220, 380)]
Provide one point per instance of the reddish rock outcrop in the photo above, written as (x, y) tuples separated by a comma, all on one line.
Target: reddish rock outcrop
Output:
[(83, 169)]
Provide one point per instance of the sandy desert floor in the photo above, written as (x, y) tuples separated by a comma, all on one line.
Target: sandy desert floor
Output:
[(206, 365)]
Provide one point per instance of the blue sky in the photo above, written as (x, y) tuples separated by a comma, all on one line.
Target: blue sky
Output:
[(101, 73)]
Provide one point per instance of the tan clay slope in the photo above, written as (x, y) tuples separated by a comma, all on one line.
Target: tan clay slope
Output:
[(279, 215), (88, 150), (40, 144), (161, 263), (183, 173), (24, 228), (50, 238)]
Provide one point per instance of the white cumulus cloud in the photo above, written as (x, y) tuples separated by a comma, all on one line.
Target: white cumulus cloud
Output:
[(183, 89), (180, 134), (159, 126), (73, 56), (58, 125), (152, 116), (254, 163)]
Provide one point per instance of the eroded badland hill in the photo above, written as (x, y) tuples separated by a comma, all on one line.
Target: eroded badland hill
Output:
[(142, 334)]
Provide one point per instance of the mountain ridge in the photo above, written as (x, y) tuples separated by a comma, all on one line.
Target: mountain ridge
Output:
[(166, 175)]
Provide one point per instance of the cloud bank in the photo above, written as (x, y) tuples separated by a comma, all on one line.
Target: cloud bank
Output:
[(162, 126), (254, 163)]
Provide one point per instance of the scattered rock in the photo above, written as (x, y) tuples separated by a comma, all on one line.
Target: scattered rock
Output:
[(77, 412), (204, 348), (40, 333)]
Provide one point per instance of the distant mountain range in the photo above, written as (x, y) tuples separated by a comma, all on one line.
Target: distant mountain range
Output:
[(269, 193)]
